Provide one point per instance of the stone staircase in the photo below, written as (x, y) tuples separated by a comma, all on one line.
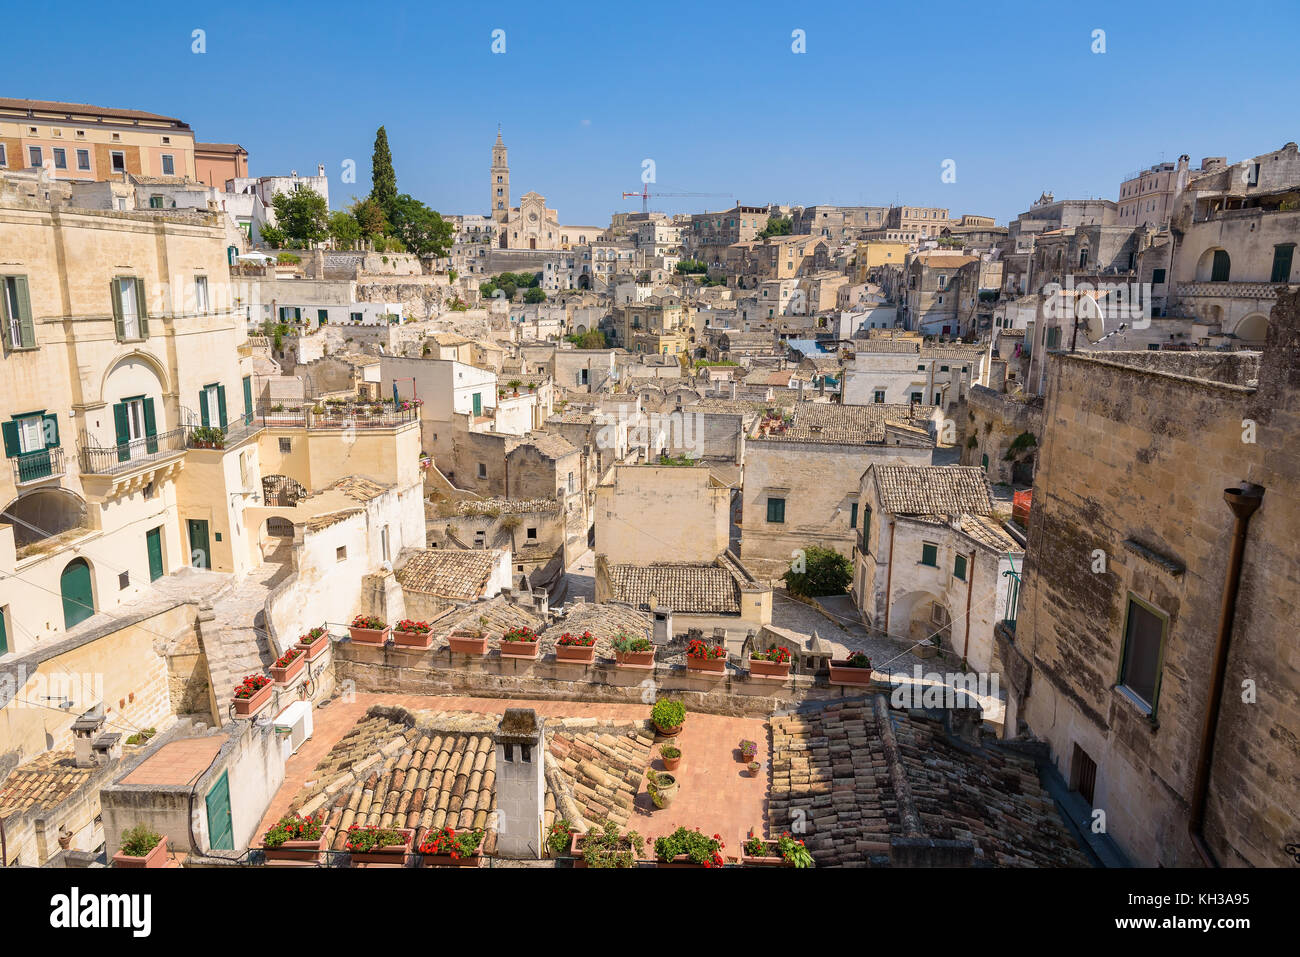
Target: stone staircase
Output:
[(234, 631)]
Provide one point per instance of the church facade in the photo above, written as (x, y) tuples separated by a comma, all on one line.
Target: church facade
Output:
[(530, 225)]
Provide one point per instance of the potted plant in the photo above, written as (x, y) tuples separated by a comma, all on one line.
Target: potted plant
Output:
[(142, 846), (853, 670), (314, 642), (605, 847), (468, 642), (757, 852), (748, 749), (412, 634), (670, 756), (634, 652), (753, 768), (371, 844), (294, 838), (288, 666), (559, 838), (689, 848), (928, 648), (571, 647), (773, 663), (368, 630), (519, 642), (793, 851), (661, 786), (668, 715), (251, 694), (449, 848), (702, 656)]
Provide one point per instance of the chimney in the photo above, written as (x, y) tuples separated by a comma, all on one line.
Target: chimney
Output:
[(84, 731), (520, 783), (320, 169), (663, 625)]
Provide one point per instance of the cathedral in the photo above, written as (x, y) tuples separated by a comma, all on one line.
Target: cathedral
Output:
[(530, 225)]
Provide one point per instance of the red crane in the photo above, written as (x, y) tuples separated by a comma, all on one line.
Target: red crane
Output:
[(645, 195)]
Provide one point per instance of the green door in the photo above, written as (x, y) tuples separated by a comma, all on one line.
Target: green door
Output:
[(199, 555), (221, 834), (153, 543), (4, 635), (78, 596), (478, 404), (248, 400)]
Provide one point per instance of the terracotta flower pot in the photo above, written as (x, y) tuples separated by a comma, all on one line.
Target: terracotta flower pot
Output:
[(369, 636), (282, 676), (772, 669), (446, 860), (391, 854), (669, 732), (155, 858), (712, 665), (667, 791), (635, 658), (519, 649), (670, 764), (246, 707), (842, 673), (468, 644), (582, 653), (770, 858), (297, 850), (413, 639), (315, 649)]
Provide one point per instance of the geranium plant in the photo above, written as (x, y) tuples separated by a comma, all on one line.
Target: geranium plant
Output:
[(793, 850), (251, 685), (312, 635), (370, 622), (698, 648), (418, 627), (286, 659), (368, 837), (583, 640), (858, 659), (779, 655), (624, 642), (520, 633), (756, 846), (449, 843), (696, 846), (139, 840), (291, 827), (557, 838)]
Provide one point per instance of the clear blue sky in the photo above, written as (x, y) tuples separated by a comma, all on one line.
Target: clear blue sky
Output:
[(884, 94)]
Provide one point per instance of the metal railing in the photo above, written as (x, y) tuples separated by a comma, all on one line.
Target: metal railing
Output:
[(129, 455), (35, 466), (335, 416), (1012, 608)]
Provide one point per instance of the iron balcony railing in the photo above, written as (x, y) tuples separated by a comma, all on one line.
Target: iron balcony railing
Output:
[(1012, 608), (129, 455), (336, 416), (37, 466)]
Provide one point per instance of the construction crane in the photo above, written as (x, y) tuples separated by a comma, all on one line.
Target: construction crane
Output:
[(645, 195)]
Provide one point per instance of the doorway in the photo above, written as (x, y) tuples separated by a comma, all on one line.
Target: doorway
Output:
[(199, 555), (78, 593), (153, 545), (221, 832)]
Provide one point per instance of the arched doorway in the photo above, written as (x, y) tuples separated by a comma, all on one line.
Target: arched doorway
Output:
[(1252, 330), (77, 591)]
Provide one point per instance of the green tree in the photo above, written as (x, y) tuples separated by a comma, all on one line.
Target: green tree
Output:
[(825, 572), (344, 229), (421, 230), (303, 216), (777, 226), (370, 217), (535, 294), (591, 339), (383, 179), (690, 267), (272, 235)]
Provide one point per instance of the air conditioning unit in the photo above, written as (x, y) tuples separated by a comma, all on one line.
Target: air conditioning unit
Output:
[(293, 725)]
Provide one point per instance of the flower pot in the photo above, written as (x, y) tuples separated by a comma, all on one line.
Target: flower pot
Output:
[(635, 658), (712, 665), (413, 639), (155, 858), (297, 851), (369, 636), (771, 858), (581, 653), (663, 794), (925, 650), (468, 644), (669, 732), (446, 860), (315, 649), (671, 764), (391, 854), (519, 649), (771, 669), (842, 673), (282, 676), (247, 707)]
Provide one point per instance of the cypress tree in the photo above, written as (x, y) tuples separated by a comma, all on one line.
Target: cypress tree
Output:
[(383, 180)]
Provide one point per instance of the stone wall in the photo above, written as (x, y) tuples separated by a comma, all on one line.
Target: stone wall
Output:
[(995, 420)]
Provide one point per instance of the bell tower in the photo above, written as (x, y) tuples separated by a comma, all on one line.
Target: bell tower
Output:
[(500, 181)]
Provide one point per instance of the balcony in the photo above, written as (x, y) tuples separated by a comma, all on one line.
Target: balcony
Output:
[(335, 416), (31, 468), (130, 456)]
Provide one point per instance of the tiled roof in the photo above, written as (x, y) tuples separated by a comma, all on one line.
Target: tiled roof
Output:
[(602, 769), (893, 346), (848, 424), (604, 620), (448, 574), (685, 588), (933, 489), (549, 444), (44, 783), (831, 769), (82, 109), (506, 506), (989, 534), (495, 617), (360, 489)]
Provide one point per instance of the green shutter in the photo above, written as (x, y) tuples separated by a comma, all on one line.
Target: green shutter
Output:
[(10, 429), (150, 426), (26, 331), (959, 567), (221, 404), (248, 400), (51, 431), (853, 516), (123, 432), (115, 295), (141, 308), (929, 554), (203, 407)]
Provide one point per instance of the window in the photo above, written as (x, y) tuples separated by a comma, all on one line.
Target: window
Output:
[(776, 510), (212, 405), (156, 201), (920, 368), (880, 396), (943, 368), (34, 157), (917, 398), (1157, 277), (482, 470), (60, 158), (1222, 267), (959, 567), (128, 309), (1282, 255), (201, 295), (286, 446), (1145, 628), (853, 515), (341, 553), (16, 314), (83, 159), (929, 554), (168, 164), (4, 156), (117, 161), (123, 581)]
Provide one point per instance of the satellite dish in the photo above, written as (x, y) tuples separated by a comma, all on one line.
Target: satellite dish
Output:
[(1088, 314)]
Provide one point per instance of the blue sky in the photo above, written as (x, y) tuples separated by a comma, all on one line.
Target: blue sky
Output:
[(1010, 91)]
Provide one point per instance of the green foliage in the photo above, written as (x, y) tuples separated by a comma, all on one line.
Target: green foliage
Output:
[(344, 229), (371, 218), (139, 840), (272, 235), (680, 461), (558, 838), (699, 848), (591, 339), (826, 572), (288, 259), (293, 828), (420, 229), (383, 179), (691, 267), (624, 642), (1023, 441), (670, 752), (140, 737), (605, 847), (668, 713), (303, 215), (535, 294), (777, 226), (794, 851)]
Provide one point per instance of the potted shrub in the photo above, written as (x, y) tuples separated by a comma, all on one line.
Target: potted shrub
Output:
[(371, 844), (294, 838), (853, 670), (637, 652), (702, 656), (748, 749), (773, 663), (661, 786), (142, 846), (314, 642), (605, 847), (668, 716), (368, 630), (468, 642), (757, 852), (571, 647), (520, 642), (670, 756), (687, 848), (449, 848), (251, 695), (412, 634), (559, 838), (753, 768), (288, 666)]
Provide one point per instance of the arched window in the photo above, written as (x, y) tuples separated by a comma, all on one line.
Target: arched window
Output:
[(1222, 267)]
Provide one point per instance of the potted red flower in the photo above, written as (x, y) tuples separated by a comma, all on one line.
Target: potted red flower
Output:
[(757, 852), (773, 663), (370, 844), (633, 652), (295, 838), (571, 647), (251, 695), (520, 642), (447, 848), (142, 846), (689, 848), (412, 634), (702, 656), (314, 642), (853, 670), (368, 630), (468, 642), (288, 666)]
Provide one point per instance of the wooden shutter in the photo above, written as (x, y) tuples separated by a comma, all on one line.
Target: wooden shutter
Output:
[(150, 426), (12, 447), (141, 308), (26, 330), (115, 294), (203, 407), (51, 429), (123, 432), (221, 404)]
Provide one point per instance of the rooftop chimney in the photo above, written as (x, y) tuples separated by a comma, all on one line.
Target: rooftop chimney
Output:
[(520, 782), (84, 731)]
